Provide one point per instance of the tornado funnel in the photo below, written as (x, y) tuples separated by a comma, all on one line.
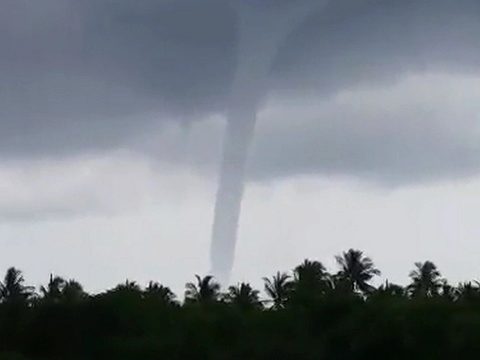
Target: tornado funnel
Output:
[(262, 27)]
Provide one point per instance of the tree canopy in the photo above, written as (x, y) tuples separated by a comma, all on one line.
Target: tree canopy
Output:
[(307, 313)]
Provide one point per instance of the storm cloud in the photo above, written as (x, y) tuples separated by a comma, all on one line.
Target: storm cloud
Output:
[(89, 76)]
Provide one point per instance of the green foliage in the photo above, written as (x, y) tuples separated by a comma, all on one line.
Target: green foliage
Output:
[(13, 290), (204, 291), (244, 297), (357, 270), (310, 314), (426, 280), (278, 289)]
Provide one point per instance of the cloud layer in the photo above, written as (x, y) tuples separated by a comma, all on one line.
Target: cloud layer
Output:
[(348, 92)]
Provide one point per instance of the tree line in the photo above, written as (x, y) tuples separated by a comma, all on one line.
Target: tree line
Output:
[(308, 313)]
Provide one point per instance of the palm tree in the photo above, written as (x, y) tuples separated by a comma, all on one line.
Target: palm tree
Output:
[(311, 281), (426, 280), (204, 291), (160, 293), (448, 292), (468, 291), (310, 272), (73, 292), (128, 287), (53, 291), (12, 289), (357, 269), (278, 289), (128, 291), (243, 296)]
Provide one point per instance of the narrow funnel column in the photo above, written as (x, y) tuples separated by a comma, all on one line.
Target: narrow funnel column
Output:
[(241, 119), (238, 137), (262, 29)]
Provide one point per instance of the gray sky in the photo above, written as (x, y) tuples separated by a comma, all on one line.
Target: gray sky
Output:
[(112, 115)]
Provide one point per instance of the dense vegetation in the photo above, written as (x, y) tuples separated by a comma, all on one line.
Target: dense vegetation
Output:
[(308, 314)]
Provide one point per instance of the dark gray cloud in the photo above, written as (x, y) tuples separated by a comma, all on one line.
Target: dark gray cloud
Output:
[(81, 76), (373, 41), (425, 127)]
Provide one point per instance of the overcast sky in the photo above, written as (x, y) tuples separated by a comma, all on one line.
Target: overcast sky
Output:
[(112, 116)]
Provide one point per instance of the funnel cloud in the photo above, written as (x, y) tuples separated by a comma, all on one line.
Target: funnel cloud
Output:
[(261, 30)]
